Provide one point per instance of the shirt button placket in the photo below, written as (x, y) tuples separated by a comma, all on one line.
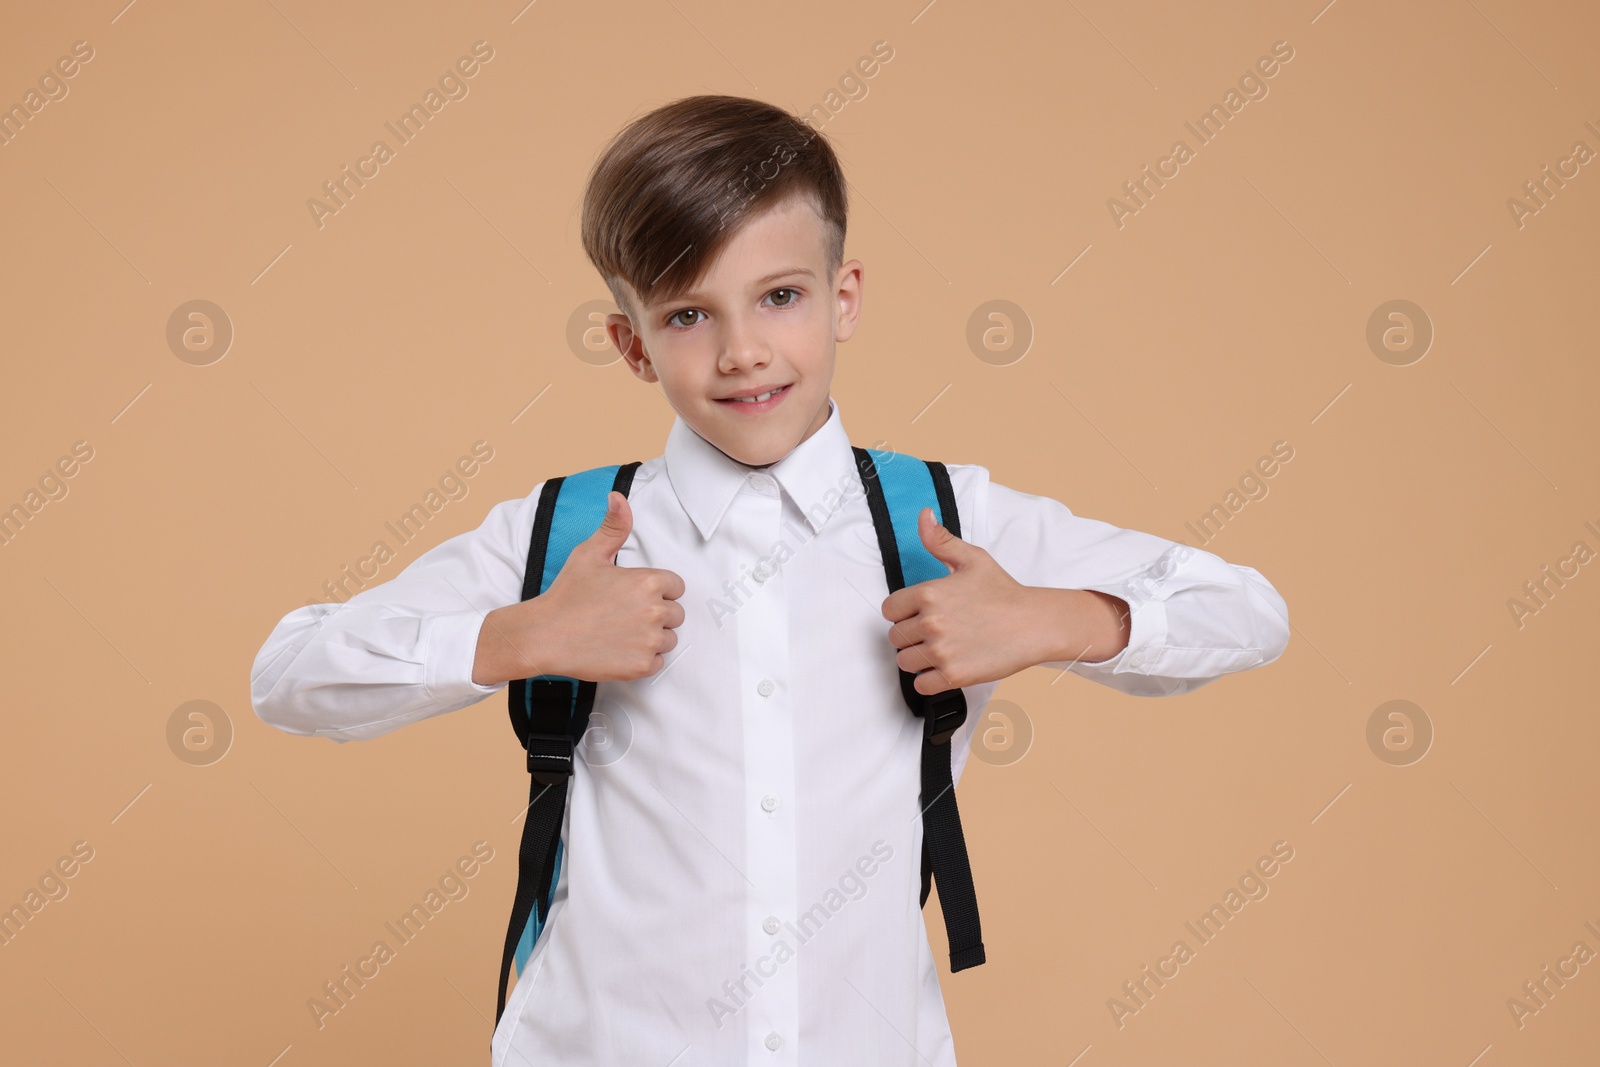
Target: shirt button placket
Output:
[(770, 841)]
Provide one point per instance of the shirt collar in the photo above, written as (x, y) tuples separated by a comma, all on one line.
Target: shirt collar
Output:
[(706, 479)]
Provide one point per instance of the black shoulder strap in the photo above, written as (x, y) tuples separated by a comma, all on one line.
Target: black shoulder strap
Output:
[(944, 848), (550, 714)]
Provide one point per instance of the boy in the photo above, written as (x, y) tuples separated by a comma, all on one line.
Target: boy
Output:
[(742, 836)]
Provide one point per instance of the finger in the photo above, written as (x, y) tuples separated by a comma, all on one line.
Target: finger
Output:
[(902, 604), (943, 545), (919, 656), (675, 615), (930, 682), (614, 528), (906, 633), (672, 586)]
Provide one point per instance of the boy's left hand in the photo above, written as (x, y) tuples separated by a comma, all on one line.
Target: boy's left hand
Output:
[(978, 624)]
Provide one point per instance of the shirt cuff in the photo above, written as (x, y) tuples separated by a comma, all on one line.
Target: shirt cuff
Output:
[(1147, 638), (452, 649)]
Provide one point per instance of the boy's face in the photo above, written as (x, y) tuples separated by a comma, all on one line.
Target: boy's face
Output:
[(765, 314)]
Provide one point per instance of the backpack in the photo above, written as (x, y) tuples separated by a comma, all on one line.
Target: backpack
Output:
[(550, 712)]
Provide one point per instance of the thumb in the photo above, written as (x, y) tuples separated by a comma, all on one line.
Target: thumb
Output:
[(608, 539), (945, 546)]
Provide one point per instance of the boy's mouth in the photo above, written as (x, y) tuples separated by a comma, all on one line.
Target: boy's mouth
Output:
[(756, 403)]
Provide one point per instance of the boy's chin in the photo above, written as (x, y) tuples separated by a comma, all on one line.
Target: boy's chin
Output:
[(750, 451), (755, 447), (754, 441)]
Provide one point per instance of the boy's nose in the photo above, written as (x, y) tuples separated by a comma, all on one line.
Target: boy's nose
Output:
[(743, 349)]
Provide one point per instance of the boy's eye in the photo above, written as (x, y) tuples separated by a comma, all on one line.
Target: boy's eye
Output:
[(672, 319)]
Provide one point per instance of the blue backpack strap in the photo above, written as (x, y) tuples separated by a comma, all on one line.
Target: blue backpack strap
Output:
[(898, 488), (550, 712)]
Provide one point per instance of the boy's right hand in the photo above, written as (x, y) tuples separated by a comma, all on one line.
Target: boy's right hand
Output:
[(597, 622)]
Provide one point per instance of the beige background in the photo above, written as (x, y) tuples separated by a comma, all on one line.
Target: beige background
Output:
[(1228, 314)]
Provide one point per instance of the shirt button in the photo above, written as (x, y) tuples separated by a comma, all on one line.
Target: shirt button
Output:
[(760, 573), (765, 687), (761, 483), (773, 1041), (769, 802), (771, 925)]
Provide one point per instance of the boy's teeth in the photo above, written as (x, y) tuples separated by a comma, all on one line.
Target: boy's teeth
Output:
[(755, 399)]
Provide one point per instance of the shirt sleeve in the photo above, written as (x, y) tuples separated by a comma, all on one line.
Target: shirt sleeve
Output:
[(1194, 616), (399, 651)]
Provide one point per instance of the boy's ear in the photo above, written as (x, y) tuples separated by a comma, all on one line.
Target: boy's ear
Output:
[(847, 294), (631, 345)]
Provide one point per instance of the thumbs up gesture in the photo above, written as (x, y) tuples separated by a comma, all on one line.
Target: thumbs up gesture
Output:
[(598, 622), (977, 624)]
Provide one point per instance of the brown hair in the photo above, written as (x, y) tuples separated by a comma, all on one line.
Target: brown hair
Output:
[(675, 185)]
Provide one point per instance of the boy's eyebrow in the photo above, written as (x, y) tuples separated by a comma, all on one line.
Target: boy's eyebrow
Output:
[(774, 276)]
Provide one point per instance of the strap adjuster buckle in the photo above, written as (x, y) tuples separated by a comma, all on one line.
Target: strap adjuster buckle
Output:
[(942, 715), (549, 758)]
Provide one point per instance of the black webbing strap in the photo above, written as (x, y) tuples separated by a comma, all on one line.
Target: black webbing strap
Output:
[(549, 714), (944, 848)]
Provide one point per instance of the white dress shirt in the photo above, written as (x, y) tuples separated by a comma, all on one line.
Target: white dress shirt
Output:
[(742, 839)]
